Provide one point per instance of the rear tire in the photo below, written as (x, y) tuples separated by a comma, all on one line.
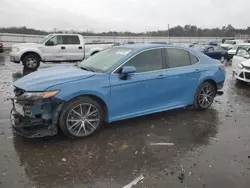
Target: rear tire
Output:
[(204, 96), (81, 117), (31, 61)]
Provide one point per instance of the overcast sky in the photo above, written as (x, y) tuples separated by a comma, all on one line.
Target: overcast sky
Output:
[(121, 15)]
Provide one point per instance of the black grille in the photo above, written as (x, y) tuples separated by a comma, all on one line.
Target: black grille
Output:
[(247, 75), (241, 75), (18, 92)]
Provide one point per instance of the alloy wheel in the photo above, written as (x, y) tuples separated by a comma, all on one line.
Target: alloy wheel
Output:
[(83, 120), (206, 96)]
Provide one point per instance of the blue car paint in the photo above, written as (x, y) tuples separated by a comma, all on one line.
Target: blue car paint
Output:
[(138, 95), (43, 79)]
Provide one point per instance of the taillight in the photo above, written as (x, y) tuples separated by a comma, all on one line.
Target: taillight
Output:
[(223, 68)]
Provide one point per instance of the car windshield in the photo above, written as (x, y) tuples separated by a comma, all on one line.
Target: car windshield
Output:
[(229, 42), (44, 39), (104, 60), (200, 47)]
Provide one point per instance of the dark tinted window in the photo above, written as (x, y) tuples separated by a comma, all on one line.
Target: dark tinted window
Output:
[(193, 59), (177, 57), (147, 61), (71, 39), (210, 49)]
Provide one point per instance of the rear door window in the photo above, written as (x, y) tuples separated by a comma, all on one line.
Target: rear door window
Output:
[(71, 39), (178, 58)]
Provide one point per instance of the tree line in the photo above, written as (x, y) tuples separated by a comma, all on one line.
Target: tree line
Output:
[(177, 31)]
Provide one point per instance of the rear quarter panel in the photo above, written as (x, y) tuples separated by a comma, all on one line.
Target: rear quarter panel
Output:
[(210, 69)]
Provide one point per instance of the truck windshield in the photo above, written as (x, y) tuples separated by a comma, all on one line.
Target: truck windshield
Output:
[(44, 39), (104, 60)]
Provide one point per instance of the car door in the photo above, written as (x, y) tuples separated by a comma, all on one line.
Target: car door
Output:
[(143, 92), (241, 55), (53, 49), (182, 76), (73, 49)]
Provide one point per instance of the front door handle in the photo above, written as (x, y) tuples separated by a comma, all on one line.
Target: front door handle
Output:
[(63, 47), (80, 47), (160, 76)]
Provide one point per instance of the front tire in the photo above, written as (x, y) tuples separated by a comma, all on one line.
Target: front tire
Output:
[(81, 117), (31, 61), (204, 96)]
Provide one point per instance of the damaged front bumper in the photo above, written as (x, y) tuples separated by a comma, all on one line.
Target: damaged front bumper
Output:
[(35, 119)]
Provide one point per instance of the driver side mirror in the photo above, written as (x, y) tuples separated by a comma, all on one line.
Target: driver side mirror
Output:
[(126, 71), (49, 43)]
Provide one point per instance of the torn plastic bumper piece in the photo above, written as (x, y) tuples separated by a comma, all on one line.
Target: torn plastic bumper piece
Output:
[(35, 126)]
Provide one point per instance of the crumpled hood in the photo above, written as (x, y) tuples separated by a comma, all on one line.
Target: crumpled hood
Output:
[(26, 45), (48, 77), (246, 63)]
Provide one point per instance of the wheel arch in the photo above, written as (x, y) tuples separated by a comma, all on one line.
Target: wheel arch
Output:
[(210, 80), (30, 52), (94, 52), (97, 99)]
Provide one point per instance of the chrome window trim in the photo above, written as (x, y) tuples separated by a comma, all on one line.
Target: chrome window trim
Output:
[(113, 72)]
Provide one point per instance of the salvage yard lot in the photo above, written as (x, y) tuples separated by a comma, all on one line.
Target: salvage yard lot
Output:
[(198, 148)]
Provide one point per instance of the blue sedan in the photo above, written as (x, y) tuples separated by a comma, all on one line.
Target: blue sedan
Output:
[(215, 52), (116, 84)]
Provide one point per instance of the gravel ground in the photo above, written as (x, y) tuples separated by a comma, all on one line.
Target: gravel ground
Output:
[(211, 148)]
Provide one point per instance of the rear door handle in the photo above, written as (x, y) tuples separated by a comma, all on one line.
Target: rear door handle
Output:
[(160, 76), (80, 47), (63, 47)]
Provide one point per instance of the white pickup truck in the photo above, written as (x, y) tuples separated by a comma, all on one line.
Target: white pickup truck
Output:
[(54, 48)]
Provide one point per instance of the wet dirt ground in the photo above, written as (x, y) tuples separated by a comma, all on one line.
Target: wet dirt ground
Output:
[(211, 148)]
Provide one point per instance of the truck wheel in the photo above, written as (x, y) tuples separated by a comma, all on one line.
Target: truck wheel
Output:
[(81, 117), (31, 61)]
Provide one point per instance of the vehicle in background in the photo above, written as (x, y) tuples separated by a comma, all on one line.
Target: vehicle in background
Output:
[(161, 43), (241, 65), (224, 39), (1, 48), (215, 52), (55, 48), (228, 44), (118, 83), (232, 51), (213, 44)]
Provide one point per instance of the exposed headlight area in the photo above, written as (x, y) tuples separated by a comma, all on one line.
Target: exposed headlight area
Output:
[(33, 112), (15, 49), (240, 66)]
